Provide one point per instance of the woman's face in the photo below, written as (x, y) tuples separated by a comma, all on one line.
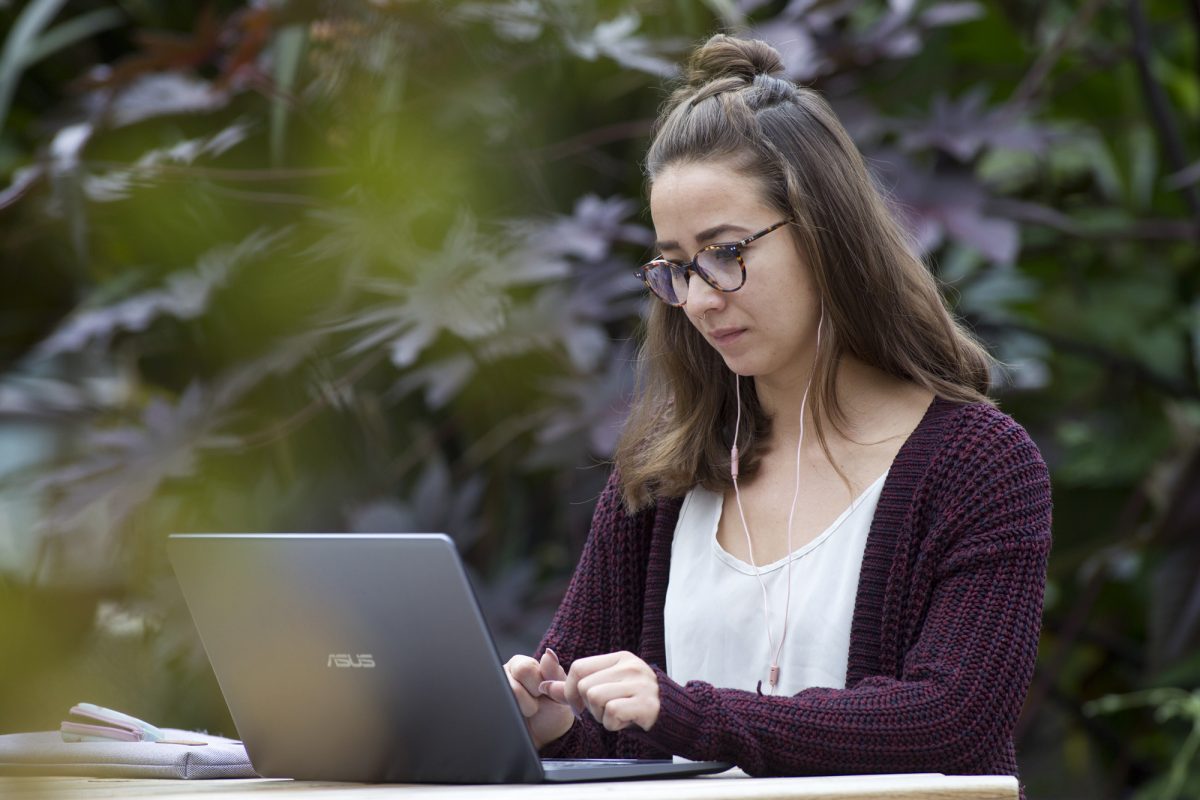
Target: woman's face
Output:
[(767, 329)]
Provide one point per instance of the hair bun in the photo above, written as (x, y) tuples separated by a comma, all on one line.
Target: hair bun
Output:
[(729, 57)]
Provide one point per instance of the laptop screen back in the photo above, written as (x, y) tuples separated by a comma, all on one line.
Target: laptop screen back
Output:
[(356, 657)]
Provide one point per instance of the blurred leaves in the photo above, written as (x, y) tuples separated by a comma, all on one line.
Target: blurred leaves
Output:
[(964, 128), (121, 467), (460, 289), (184, 295), (29, 41), (618, 39), (117, 184), (1183, 777), (154, 95)]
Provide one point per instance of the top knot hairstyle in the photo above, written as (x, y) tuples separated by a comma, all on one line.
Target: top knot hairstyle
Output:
[(735, 107), (726, 64)]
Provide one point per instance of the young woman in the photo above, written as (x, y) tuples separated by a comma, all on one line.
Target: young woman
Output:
[(823, 549)]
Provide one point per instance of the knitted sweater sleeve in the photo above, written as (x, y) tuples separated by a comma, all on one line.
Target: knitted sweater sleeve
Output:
[(601, 610), (967, 660)]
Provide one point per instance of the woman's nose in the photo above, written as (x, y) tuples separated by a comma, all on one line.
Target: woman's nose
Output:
[(702, 298)]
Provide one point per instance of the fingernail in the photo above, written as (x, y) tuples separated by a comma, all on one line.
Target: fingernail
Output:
[(553, 654), (543, 688)]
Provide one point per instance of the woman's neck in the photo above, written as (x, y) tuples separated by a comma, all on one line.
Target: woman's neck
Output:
[(863, 394)]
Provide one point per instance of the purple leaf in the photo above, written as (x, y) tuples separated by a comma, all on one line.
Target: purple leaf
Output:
[(944, 14), (617, 40), (117, 184), (124, 466), (185, 295), (965, 127), (515, 20), (435, 503), (405, 348), (594, 406), (28, 396), (934, 205), (998, 239), (23, 179), (1184, 177), (157, 94), (588, 233), (441, 381)]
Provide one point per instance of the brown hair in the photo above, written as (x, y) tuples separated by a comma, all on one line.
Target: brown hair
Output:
[(882, 304)]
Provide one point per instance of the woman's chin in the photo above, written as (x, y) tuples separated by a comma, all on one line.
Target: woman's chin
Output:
[(742, 367)]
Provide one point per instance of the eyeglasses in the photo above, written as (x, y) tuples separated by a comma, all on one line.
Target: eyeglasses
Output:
[(721, 266)]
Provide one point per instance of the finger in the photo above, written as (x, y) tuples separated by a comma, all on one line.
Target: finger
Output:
[(570, 691), (552, 668), (556, 691), (597, 691), (622, 712), (584, 668), (629, 677), (620, 674), (525, 701), (526, 672)]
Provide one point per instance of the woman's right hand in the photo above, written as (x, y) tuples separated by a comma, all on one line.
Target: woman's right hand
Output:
[(546, 719)]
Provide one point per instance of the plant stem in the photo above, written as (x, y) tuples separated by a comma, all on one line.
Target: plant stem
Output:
[(1160, 108)]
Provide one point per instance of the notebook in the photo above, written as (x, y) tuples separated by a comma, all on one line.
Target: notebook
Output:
[(365, 657)]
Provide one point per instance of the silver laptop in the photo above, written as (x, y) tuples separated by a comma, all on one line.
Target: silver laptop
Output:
[(364, 657)]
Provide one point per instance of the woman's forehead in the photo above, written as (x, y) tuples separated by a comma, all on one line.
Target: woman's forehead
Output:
[(690, 198)]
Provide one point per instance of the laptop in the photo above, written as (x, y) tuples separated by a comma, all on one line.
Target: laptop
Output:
[(365, 658)]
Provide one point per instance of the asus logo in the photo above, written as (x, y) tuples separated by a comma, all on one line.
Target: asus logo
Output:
[(345, 661)]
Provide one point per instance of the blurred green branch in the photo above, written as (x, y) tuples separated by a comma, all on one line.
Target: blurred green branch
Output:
[(1168, 703), (28, 40)]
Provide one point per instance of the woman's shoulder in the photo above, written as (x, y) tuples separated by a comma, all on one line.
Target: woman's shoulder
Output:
[(979, 454), (978, 430), (613, 516)]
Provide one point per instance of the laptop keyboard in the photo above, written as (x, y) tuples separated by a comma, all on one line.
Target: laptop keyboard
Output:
[(580, 763)]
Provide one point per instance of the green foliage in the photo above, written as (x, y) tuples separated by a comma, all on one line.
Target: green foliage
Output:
[(363, 266), (1183, 778), (28, 40)]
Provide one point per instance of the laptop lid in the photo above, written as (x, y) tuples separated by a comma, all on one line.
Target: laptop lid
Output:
[(354, 657), (365, 657)]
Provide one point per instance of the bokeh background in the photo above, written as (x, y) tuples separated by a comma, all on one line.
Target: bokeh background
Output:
[(339, 266)]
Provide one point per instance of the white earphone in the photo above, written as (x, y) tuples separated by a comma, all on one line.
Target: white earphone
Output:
[(773, 674)]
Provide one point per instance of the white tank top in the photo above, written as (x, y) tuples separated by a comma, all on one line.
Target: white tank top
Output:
[(713, 614)]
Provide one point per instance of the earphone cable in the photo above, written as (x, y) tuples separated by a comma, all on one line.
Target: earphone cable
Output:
[(773, 674)]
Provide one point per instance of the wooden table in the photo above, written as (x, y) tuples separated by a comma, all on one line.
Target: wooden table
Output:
[(732, 785)]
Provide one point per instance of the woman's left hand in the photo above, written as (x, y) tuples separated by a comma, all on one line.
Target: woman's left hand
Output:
[(619, 689)]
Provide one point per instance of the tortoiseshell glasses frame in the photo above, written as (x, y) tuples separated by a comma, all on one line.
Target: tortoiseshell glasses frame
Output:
[(720, 265)]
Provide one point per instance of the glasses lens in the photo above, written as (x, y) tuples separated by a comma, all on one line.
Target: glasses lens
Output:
[(667, 281), (721, 267)]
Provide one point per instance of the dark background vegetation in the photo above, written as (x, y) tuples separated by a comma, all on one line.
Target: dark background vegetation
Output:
[(323, 266)]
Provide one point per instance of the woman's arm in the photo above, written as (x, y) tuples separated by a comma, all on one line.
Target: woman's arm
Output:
[(601, 611)]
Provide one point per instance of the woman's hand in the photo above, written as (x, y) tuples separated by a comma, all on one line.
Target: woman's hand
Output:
[(619, 689), (546, 718)]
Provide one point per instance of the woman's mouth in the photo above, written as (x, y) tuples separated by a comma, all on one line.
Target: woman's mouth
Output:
[(724, 336)]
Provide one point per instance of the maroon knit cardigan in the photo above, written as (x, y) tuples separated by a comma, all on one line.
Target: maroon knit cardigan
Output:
[(942, 642)]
